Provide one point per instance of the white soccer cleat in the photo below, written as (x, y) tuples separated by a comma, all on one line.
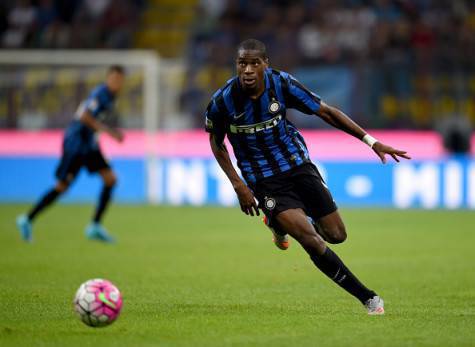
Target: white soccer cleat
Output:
[(24, 227), (375, 306)]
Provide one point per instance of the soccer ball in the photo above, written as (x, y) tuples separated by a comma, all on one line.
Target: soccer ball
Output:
[(98, 302)]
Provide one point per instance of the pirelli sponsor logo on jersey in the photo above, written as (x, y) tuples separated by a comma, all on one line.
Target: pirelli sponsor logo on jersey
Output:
[(255, 128)]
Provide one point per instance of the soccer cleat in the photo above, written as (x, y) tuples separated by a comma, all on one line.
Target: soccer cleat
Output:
[(24, 227), (281, 241), (375, 306), (95, 231)]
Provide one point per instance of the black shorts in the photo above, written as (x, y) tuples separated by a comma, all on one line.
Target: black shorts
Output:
[(302, 187), (72, 162)]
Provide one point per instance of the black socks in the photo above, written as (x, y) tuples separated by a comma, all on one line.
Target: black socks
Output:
[(103, 201), (44, 202), (332, 266), (51, 196)]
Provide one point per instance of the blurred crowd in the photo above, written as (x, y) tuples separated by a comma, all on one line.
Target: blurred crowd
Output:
[(311, 32), (388, 63), (68, 24), (410, 60)]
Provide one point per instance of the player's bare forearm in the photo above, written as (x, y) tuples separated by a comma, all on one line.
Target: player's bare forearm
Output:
[(340, 120), (88, 120), (221, 154), (244, 194)]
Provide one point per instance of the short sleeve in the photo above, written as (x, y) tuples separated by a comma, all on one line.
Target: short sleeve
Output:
[(92, 105), (98, 101), (214, 120), (299, 97)]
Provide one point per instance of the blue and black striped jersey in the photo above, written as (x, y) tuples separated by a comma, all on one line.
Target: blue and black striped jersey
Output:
[(78, 137), (264, 141)]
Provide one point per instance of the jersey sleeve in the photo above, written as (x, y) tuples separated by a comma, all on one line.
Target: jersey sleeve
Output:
[(97, 102), (214, 120), (92, 105), (299, 97)]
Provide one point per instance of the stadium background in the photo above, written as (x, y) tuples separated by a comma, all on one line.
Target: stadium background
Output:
[(208, 275), (401, 67)]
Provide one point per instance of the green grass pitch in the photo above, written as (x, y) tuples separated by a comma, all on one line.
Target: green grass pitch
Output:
[(212, 277)]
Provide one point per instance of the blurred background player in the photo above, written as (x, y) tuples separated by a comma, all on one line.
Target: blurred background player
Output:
[(81, 149), (274, 161)]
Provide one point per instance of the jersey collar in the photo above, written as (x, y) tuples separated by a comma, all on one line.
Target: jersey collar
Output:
[(267, 73)]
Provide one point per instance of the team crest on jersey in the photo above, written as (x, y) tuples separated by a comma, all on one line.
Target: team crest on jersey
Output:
[(274, 106), (269, 203)]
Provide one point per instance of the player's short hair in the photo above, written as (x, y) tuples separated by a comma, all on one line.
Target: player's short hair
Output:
[(116, 68), (253, 45)]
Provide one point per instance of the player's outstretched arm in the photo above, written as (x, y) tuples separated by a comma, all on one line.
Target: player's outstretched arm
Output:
[(340, 120), (96, 125), (381, 150), (245, 195)]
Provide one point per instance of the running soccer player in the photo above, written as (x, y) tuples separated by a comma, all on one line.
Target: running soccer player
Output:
[(81, 149), (274, 161)]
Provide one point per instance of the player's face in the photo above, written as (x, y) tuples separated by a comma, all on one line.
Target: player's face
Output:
[(115, 81), (250, 69)]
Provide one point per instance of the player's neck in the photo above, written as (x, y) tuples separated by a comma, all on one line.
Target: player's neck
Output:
[(257, 93)]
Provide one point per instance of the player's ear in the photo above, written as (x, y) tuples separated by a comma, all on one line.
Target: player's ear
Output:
[(266, 61)]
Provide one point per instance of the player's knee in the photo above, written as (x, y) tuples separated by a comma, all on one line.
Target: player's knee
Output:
[(337, 234), (61, 186), (110, 180), (113, 181), (337, 237)]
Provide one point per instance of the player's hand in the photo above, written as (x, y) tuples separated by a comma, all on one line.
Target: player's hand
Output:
[(246, 199), (117, 135), (381, 150)]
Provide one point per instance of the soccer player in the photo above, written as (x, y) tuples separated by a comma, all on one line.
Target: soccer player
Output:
[(250, 109), (81, 149)]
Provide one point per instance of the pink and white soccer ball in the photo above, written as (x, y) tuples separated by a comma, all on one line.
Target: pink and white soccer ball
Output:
[(98, 302)]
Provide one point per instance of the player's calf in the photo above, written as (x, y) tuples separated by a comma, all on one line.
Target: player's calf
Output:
[(295, 223), (311, 242)]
